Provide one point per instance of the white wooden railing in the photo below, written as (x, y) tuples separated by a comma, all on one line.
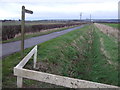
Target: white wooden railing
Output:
[(21, 73), (23, 63)]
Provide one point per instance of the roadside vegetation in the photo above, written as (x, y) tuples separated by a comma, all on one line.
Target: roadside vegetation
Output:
[(42, 32), (85, 53), (11, 31)]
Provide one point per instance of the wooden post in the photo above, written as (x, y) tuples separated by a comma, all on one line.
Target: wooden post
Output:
[(19, 82), (35, 57), (22, 31), (23, 27)]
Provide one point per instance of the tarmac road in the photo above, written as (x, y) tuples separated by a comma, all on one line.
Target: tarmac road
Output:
[(12, 47)]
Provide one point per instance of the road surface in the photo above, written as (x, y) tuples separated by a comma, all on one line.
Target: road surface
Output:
[(12, 47)]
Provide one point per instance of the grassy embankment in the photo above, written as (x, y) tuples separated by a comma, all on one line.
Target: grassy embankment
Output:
[(105, 69), (76, 54), (30, 35)]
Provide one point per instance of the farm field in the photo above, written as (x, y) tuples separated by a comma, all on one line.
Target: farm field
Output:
[(114, 25), (40, 22), (12, 31), (42, 32), (108, 30), (87, 53)]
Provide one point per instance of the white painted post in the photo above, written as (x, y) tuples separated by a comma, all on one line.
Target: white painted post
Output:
[(35, 57), (19, 82)]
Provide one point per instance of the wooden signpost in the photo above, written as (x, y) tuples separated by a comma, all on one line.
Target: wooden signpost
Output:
[(23, 28)]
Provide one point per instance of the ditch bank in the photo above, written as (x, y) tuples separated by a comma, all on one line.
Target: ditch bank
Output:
[(76, 54)]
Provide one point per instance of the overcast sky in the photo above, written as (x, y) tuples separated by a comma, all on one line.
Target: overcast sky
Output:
[(59, 9)]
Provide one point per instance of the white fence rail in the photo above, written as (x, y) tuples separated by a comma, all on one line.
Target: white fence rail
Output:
[(21, 73), (23, 62)]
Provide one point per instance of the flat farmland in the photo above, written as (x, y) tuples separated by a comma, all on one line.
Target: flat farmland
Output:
[(114, 25), (10, 23), (65, 44), (88, 53)]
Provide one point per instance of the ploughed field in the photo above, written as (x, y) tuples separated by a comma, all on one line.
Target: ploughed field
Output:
[(89, 53)]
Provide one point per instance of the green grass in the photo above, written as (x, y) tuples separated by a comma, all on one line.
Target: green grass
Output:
[(50, 52), (102, 71), (36, 34), (112, 25), (69, 55)]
